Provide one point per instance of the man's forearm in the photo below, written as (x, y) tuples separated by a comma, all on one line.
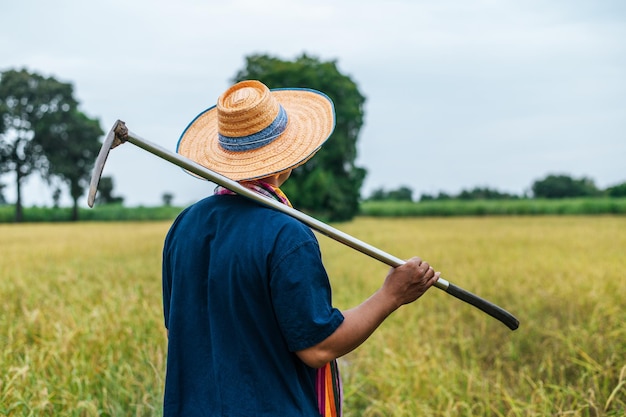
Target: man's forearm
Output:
[(359, 324)]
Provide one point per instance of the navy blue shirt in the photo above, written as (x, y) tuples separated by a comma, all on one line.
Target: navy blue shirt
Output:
[(244, 287)]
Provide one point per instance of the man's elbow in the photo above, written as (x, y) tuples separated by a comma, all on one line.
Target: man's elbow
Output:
[(315, 357)]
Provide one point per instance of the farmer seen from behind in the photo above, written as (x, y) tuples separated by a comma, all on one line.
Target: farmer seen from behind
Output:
[(252, 330)]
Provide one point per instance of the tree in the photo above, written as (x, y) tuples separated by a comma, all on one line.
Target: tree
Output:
[(378, 194), (70, 142), (167, 199), (56, 197), (403, 193), (2, 198), (105, 192), (618, 190), (563, 186), (26, 99), (480, 193), (440, 197), (329, 184)]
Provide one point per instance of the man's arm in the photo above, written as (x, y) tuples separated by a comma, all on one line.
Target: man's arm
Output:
[(403, 285)]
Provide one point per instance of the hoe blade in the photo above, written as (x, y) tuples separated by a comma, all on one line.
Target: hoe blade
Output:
[(110, 142)]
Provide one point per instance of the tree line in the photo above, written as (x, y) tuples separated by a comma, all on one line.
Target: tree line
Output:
[(43, 131), (553, 186)]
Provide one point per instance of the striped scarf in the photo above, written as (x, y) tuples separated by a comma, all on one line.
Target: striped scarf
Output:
[(327, 380)]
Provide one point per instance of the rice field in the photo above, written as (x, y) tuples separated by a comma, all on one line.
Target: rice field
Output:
[(81, 328)]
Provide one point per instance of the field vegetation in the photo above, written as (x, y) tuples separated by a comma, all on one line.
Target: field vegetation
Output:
[(484, 207), (81, 330), (100, 213), (370, 208)]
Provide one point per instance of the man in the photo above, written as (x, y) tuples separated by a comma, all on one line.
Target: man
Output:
[(247, 301)]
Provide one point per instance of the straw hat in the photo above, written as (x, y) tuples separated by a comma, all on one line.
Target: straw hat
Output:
[(254, 132)]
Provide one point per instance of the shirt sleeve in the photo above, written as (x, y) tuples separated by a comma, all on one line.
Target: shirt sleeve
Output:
[(301, 295)]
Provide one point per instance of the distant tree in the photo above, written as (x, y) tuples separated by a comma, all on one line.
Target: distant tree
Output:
[(329, 184), (26, 102), (2, 198), (484, 193), (167, 199), (426, 197), (402, 193), (378, 195), (440, 196), (70, 142), (444, 196), (4, 167), (105, 192), (563, 186), (56, 197), (618, 190)]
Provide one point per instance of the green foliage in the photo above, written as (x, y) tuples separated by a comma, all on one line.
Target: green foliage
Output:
[(167, 199), (618, 190), (117, 212), (33, 111), (477, 193), (515, 207), (384, 208), (24, 100), (440, 196), (100, 213), (2, 198), (105, 192), (70, 142), (564, 186), (401, 194), (484, 193), (329, 184)]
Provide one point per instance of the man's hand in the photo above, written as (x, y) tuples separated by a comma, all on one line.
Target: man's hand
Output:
[(407, 282)]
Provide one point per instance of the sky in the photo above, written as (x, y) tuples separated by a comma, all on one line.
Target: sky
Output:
[(459, 93)]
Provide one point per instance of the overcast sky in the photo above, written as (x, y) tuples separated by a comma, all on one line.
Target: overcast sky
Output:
[(460, 93)]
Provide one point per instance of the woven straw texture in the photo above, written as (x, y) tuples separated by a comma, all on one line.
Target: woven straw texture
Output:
[(245, 109)]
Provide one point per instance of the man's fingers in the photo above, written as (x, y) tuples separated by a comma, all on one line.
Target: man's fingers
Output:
[(435, 277), (431, 272)]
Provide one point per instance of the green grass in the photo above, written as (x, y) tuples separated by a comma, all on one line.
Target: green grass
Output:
[(112, 212), (81, 328), (446, 208)]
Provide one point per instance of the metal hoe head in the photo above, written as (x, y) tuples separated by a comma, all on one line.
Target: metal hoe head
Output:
[(116, 137)]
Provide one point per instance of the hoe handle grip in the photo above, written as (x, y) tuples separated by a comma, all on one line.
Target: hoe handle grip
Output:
[(493, 310)]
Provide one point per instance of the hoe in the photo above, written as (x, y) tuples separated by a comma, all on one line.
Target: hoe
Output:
[(120, 134)]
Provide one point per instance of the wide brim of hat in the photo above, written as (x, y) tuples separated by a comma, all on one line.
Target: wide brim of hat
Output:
[(311, 120)]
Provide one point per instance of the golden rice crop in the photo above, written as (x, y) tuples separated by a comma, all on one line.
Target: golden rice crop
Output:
[(81, 329), (563, 277), (80, 322)]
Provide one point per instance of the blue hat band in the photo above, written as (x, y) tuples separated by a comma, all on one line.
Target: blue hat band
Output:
[(256, 140)]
